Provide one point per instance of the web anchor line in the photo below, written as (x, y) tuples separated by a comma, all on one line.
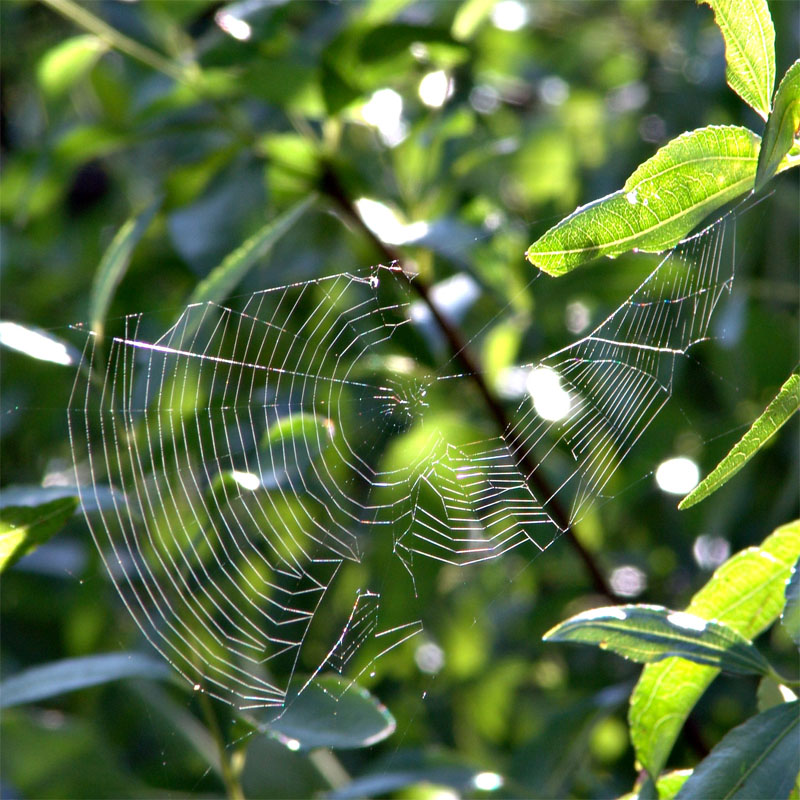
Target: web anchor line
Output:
[(266, 456)]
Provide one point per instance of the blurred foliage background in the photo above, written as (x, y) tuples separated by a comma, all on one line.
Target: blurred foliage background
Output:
[(472, 127)]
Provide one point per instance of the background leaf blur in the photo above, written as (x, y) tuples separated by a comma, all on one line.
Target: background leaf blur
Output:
[(475, 126)]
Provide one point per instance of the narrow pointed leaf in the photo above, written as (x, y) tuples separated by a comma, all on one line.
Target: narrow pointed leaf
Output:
[(749, 36), (113, 264), (70, 674), (24, 528), (776, 414), (746, 593), (661, 202), (65, 64), (759, 758), (332, 712), (651, 633), (224, 278), (783, 125), (791, 611)]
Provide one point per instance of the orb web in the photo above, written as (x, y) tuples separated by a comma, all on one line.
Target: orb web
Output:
[(260, 450)]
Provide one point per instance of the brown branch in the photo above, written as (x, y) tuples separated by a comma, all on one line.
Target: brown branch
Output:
[(332, 187)]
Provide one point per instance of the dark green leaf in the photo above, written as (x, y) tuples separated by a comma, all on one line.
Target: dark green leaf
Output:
[(746, 593), (60, 677), (791, 611), (758, 759), (749, 49), (662, 201), (651, 633), (24, 528), (776, 414), (332, 712), (114, 263), (782, 126)]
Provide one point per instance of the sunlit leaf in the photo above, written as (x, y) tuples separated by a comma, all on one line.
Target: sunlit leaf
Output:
[(783, 125), (746, 593), (70, 674), (791, 612), (225, 277), (113, 264), (749, 35), (468, 18), (770, 693), (63, 65), (661, 202), (332, 712), (776, 414), (759, 758), (651, 633), (670, 783), (24, 528)]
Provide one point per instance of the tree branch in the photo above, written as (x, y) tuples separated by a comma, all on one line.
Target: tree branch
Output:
[(332, 187)]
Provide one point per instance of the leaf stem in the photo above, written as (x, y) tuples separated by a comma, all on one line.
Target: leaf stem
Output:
[(112, 37), (233, 788)]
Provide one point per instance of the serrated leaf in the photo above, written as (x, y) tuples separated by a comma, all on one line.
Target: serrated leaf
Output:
[(63, 65), (221, 281), (791, 611), (776, 414), (70, 674), (783, 125), (662, 201), (24, 528), (749, 36), (651, 633), (113, 264), (332, 712), (746, 593), (759, 758)]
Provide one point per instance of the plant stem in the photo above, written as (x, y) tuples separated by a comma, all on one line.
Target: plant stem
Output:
[(332, 187), (233, 788), (113, 38)]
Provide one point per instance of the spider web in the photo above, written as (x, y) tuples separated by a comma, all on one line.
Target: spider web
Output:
[(261, 451)]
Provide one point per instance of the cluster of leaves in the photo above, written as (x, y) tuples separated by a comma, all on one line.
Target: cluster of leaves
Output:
[(197, 164), (685, 650)]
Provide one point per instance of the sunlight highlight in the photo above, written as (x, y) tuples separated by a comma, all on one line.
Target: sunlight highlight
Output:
[(233, 26), (247, 480), (435, 89), (384, 112), (677, 475), (509, 15), (386, 225), (550, 399), (487, 781), (35, 344)]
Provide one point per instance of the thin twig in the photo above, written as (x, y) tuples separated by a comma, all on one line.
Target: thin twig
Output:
[(538, 484)]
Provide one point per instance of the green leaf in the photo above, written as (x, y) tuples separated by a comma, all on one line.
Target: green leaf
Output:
[(746, 593), (670, 783), (332, 712), (776, 414), (749, 36), (468, 18), (664, 199), (24, 528), (783, 125), (791, 611), (113, 264), (302, 426), (221, 281), (759, 758), (771, 693), (651, 633), (65, 64), (60, 677)]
